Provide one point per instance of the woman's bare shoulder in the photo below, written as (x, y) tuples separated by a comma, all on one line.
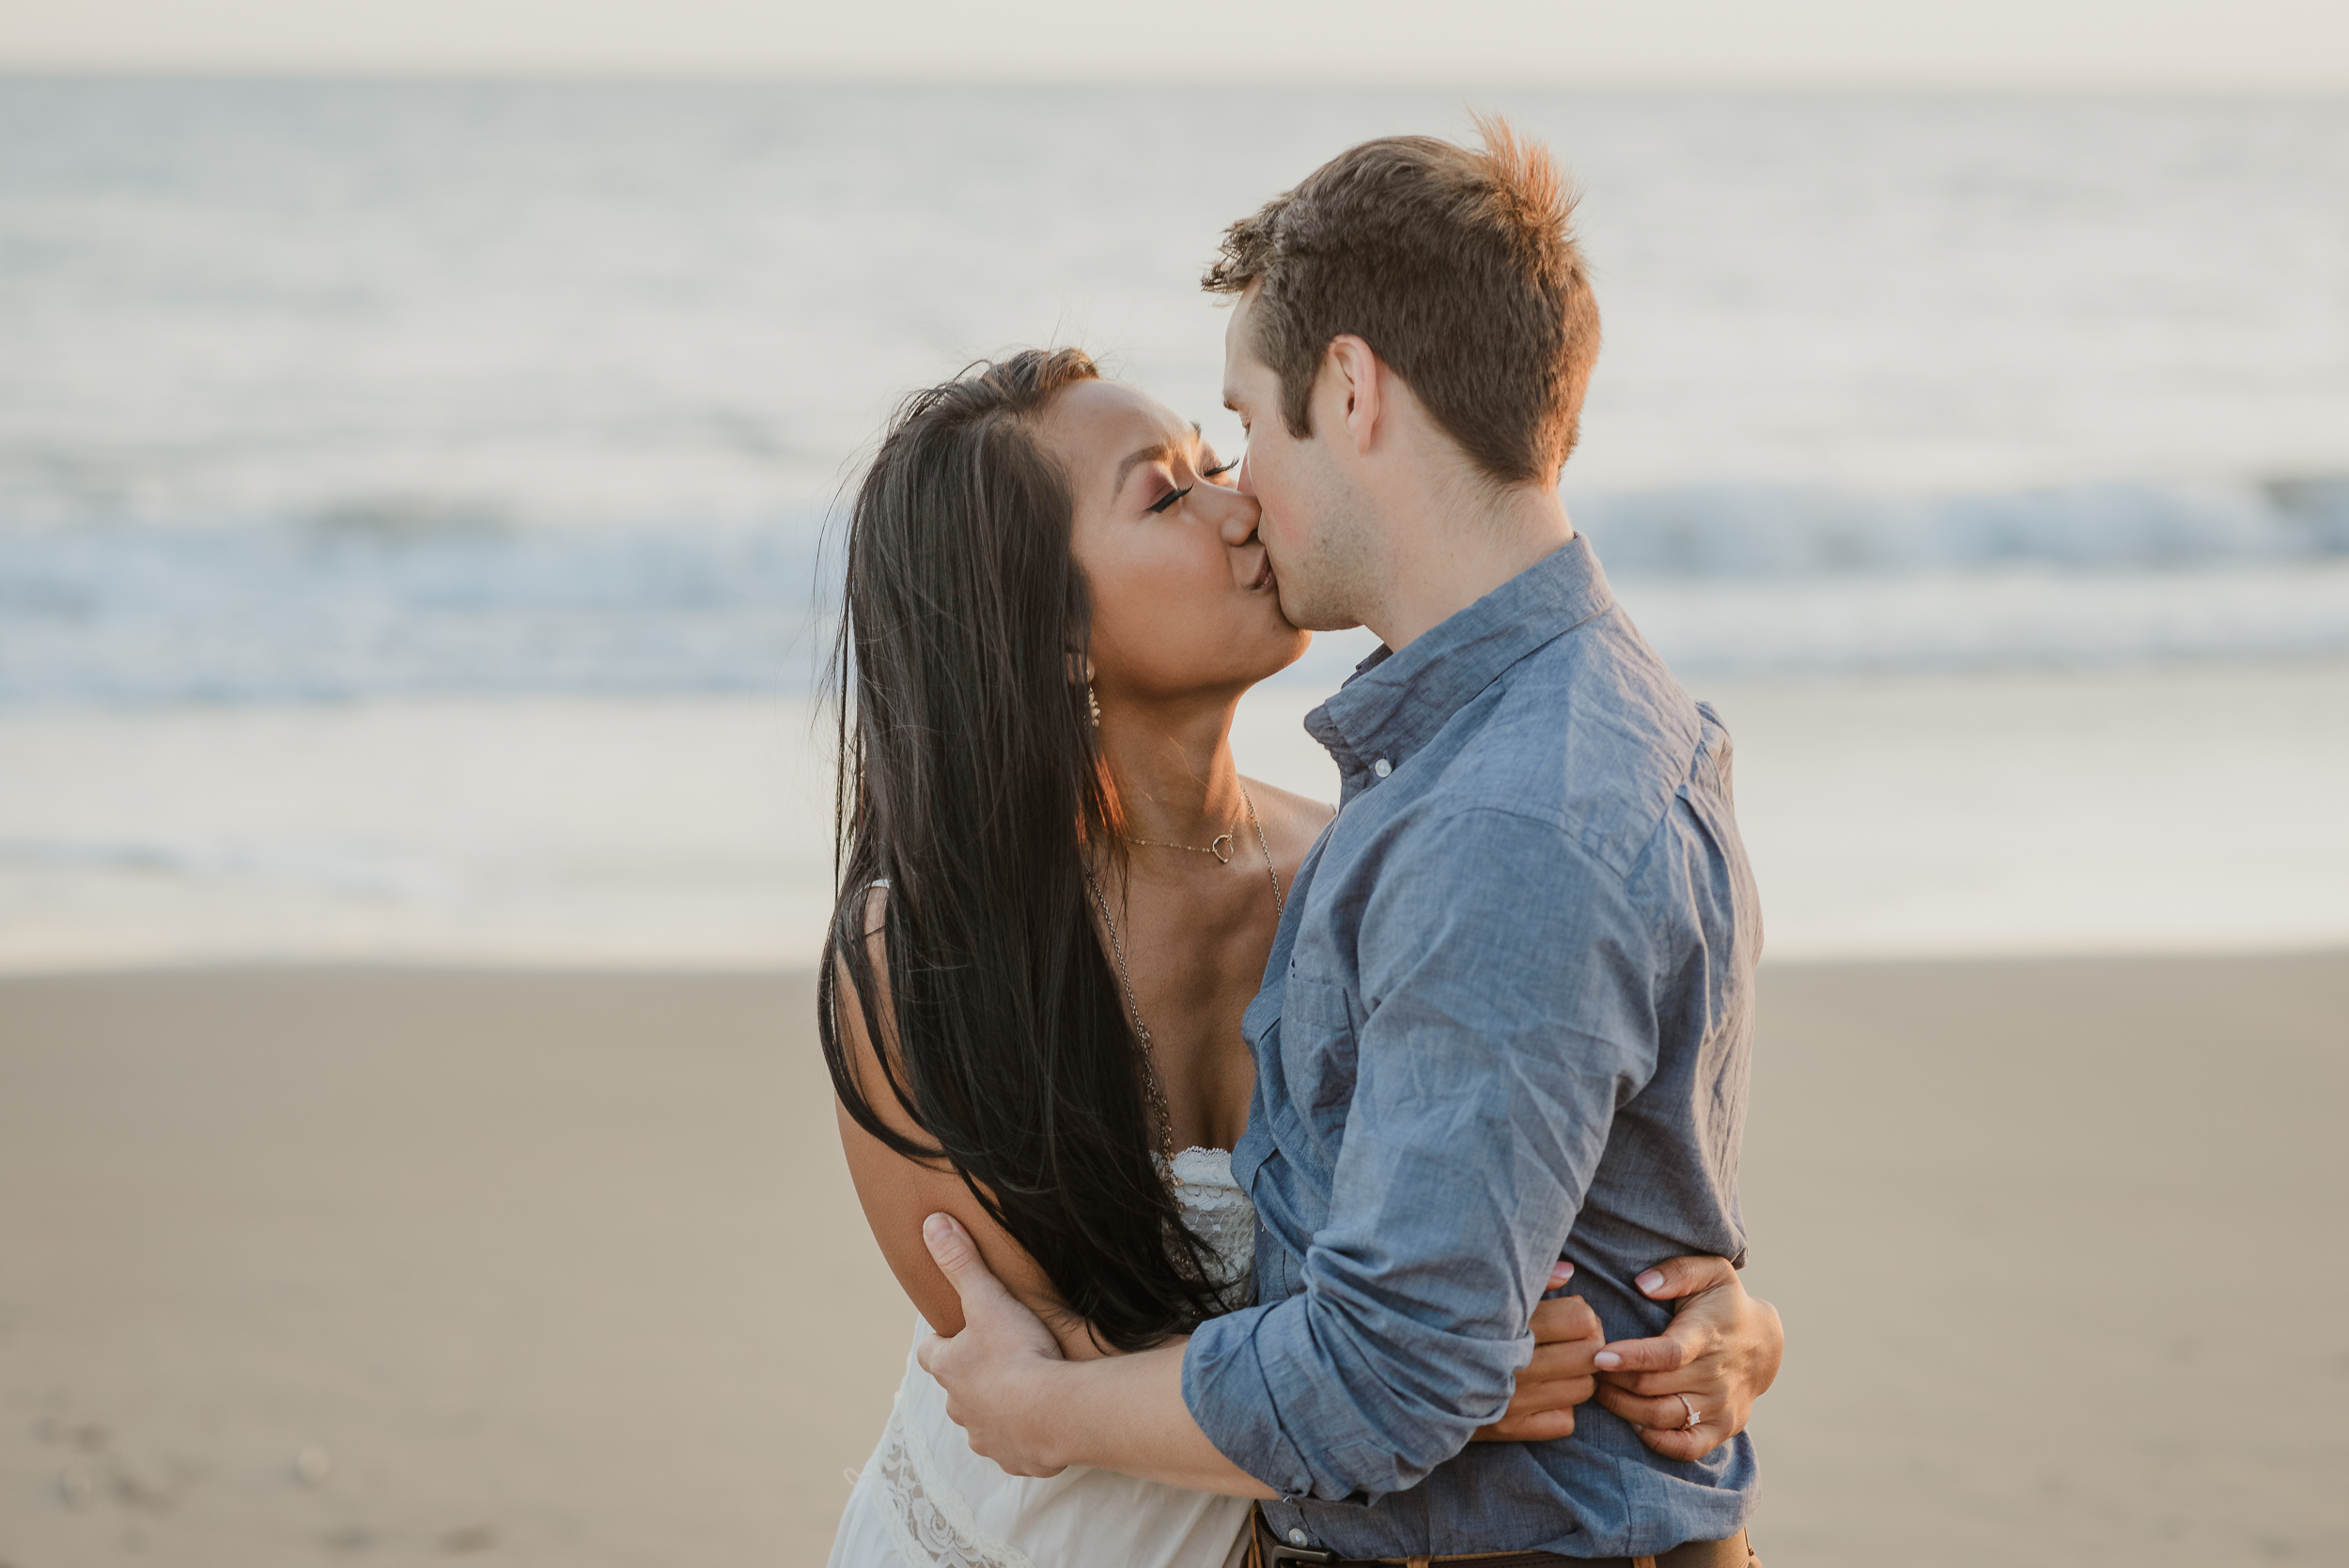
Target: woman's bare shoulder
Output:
[(1291, 821)]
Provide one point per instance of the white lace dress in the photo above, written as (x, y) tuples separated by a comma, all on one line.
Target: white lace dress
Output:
[(925, 1500)]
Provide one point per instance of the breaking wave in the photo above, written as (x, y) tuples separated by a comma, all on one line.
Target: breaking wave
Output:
[(380, 597)]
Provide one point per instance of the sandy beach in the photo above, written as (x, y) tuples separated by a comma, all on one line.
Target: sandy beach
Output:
[(410, 1266)]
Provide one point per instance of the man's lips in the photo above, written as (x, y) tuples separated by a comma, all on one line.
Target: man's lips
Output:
[(1264, 573)]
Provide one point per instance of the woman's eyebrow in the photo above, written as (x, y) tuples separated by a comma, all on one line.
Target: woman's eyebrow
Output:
[(1162, 452)]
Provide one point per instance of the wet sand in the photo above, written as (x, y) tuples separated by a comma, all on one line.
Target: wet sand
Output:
[(430, 1266)]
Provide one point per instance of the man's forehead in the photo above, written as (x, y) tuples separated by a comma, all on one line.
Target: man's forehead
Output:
[(1241, 363), (1236, 327), (1244, 376)]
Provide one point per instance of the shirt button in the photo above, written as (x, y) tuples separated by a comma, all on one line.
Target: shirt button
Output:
[(1297, 1538), (1382, 767)]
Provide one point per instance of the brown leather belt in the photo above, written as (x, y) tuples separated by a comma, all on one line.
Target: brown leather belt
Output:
[(1268, 1550)]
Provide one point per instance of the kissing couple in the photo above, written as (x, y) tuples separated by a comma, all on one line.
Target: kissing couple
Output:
[(1280, 1183)]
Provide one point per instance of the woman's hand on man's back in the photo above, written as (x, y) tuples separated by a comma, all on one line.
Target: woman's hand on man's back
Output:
[(1690, 1388)]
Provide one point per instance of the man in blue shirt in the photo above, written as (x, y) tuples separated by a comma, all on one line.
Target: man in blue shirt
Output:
[(1513, 993)]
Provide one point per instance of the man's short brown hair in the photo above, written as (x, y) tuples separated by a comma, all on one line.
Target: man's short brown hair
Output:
[(1457, 265)]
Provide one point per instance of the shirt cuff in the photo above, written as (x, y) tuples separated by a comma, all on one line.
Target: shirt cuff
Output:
[(1230, 1397)]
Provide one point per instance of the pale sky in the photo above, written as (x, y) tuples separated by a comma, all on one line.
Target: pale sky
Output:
[(2190, 44)]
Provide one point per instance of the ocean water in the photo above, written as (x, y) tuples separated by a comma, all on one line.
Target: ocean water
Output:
[(412, 496), (345, 390)]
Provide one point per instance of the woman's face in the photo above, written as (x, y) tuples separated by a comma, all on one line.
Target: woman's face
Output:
[(1184, 602)]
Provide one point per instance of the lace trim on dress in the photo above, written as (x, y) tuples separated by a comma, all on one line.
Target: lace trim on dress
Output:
[(928, 1521), (1216, 1212)]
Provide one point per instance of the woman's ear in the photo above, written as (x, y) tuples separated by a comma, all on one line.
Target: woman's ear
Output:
[(1078, 677)]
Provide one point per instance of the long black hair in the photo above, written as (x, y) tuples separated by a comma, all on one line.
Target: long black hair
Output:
[(971, 782)]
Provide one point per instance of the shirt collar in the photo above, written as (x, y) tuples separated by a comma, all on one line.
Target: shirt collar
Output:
[(1394, 703)]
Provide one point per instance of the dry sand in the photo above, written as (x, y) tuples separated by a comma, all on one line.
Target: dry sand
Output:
[(310, 1268)]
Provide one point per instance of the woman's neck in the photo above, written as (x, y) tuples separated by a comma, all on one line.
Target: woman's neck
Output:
[(1173, 768)]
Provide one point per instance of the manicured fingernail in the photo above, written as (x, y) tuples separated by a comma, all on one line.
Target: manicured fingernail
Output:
[(1561, 1272), (1652, 1282), (1607, 1361)]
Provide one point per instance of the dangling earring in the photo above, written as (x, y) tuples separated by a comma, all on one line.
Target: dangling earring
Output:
[(1094, 704)]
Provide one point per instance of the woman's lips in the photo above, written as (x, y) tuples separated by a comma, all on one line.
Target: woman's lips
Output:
[(1264, 573)]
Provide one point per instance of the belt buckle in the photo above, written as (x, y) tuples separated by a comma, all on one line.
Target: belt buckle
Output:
[(1283, 1553)]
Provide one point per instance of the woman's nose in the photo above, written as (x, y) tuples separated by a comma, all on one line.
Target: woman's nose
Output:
[(1236, 523)]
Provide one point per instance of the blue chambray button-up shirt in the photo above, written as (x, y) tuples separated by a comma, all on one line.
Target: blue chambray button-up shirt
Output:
[(1507, 1018)]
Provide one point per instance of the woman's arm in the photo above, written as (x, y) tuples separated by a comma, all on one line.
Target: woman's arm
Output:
[(898, 1193)]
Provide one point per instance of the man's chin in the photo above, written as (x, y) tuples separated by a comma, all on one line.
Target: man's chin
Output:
[(1307, 616), (1325, 620)]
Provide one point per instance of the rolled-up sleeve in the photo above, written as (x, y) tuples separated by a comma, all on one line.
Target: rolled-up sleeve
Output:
[(1505, 1011)]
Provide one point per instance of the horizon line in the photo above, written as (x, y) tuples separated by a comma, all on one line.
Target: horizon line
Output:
[(557, 75)]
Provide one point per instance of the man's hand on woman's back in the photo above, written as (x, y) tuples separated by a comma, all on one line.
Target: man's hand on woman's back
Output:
[(1567, 1337)]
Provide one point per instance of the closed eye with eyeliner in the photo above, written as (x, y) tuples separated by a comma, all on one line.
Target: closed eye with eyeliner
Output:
[(1209, 470)]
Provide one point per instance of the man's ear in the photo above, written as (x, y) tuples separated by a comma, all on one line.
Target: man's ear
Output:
[(1358, 373)]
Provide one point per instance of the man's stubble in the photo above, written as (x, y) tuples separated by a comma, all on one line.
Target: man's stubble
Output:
[(1336, 578)]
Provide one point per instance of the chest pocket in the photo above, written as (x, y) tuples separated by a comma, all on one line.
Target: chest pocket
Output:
[(1318, 1055), (1263, 1015)]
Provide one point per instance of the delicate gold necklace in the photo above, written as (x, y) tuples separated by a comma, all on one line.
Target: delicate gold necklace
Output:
[(1153, 1086), (1221, 847)]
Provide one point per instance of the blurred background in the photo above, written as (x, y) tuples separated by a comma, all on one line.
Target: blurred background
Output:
[(418, 432)]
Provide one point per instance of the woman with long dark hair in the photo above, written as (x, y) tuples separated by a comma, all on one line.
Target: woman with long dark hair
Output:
[(1057, 896)]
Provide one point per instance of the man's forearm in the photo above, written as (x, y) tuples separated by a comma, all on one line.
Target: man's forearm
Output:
[(1126, 1413)]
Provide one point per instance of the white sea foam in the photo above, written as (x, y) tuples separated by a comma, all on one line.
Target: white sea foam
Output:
[(1906, 815), (1725, 581)]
